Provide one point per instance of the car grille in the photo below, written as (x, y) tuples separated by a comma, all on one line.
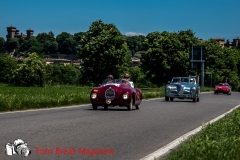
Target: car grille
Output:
[(110, 93), (179, 88)]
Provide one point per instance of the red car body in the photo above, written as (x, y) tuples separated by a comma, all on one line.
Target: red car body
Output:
[(115, 94), (223, 88)]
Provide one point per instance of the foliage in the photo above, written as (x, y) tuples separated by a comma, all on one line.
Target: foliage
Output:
[(7, 66), (135, 43), (167, 55), (66, 43), (11, 43), (2, 45), (104, 51), (31, 45), (48, 41), (31, 72), (223, 63), (63, 74)]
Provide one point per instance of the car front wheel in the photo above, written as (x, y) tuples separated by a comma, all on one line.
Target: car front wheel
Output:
[(130, 106), (166, 98), (105, 107), (94, 106)]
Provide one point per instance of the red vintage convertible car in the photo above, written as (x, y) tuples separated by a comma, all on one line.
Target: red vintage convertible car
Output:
[(115, 93), (224, 88)]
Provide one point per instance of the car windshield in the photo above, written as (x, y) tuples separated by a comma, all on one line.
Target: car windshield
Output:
[(221, 84), (111, 81), (181, 79)]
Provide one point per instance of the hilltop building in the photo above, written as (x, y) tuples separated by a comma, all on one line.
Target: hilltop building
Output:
[(234, 43), (13, 32)]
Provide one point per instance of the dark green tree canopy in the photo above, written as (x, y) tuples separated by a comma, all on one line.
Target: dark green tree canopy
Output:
[(11, 43), (167, 54), (31, 45), (104, 51), (135, 43), (66, 43), (7, 66), (2, 43)]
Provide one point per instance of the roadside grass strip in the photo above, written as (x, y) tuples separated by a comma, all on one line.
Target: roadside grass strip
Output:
[(218, 139), (25, 98)]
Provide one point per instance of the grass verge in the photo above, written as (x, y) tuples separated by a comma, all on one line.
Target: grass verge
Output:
[(216, 141), (22, 98)]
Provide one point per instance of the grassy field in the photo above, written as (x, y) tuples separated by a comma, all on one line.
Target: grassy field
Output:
[(21, 98), (217, 141)]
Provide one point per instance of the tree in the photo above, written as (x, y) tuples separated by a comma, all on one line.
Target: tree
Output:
[(63, 74), (31, 45), (2, 43), (49, 43), (11, 44), (66, 43), (31, 72), (43, 37), (135, 43), (167, 55), (7, 66), (104, 51), (50, 47), (222, 62)]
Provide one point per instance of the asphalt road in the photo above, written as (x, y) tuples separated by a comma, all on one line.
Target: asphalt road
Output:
[(123, 134)]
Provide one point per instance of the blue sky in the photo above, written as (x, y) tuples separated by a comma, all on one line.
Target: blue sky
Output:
[(207, 18)]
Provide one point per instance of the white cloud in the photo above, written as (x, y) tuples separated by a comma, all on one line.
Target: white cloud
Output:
[(134, 34)]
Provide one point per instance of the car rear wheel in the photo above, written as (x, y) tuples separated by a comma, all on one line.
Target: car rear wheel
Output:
[(166, 98), (94, 106)]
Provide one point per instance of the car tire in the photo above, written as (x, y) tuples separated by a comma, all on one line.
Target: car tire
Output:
[(166, 98), (105, 107), (195, 99), (198, 99), (137, 106), (94, 106), (130, 105), (171, 98)]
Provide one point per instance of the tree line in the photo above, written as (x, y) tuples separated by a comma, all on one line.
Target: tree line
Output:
[(104, 50)]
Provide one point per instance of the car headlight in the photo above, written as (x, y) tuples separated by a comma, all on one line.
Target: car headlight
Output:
[(125, 96), (94, 95), (193, 89), (169, 88)]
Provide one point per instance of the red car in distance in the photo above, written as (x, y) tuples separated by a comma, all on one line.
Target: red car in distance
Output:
[(115, 93), (224, 88)]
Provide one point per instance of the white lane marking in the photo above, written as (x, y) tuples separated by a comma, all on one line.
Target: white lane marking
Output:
[(44, 109), (160, 152)]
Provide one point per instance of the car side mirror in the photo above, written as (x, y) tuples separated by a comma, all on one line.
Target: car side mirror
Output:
[(168, 82)]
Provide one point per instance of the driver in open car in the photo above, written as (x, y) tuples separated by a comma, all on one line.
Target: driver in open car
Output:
[(127, 79), (109, 79)]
